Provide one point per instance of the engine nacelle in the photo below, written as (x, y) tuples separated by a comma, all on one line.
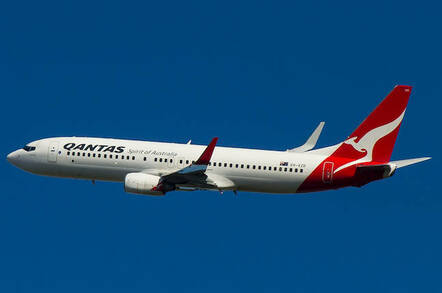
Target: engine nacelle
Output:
[(140, 183)]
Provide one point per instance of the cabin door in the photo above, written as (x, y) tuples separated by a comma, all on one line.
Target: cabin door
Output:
[(52, 152)]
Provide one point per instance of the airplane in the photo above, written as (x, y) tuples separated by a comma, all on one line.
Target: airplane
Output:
[(155, 168)]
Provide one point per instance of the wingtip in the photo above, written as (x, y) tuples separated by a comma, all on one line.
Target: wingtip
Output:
[(406, 88), (311, 141), (205, 157)]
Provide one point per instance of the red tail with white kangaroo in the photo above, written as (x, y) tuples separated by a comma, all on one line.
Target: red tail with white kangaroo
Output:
[(365, 155)]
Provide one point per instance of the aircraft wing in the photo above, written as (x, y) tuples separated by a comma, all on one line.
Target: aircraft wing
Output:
[(194, 176), (311, 141)]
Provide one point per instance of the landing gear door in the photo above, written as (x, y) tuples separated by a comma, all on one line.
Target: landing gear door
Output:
[(52, 152), (327, 172)]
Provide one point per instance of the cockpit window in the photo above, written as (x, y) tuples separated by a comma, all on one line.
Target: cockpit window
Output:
[(29, 148)]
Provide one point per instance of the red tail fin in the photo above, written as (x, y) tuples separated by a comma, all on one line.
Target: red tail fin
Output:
[(374, 139)]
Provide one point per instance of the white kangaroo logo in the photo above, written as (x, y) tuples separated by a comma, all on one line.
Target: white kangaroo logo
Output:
[(368, 141)]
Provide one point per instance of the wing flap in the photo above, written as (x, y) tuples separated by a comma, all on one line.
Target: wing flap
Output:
[(221, 183)]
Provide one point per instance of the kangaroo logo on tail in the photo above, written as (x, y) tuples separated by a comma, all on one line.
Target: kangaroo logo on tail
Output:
[(367, 143)]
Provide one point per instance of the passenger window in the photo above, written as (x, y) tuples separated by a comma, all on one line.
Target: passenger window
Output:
[(231, 165), (274, 168), (165, 160), (248, 166), (161, 160), (133, 158), (110, 156), (171, 160), (242, 166), (84, 154), (127, 157), (187, 162), (280, 168), (181, 161), (88, 154), (285, 169), (99, 155), (93, 155), (105, 156), (155, 159), (264, 167), (300, 170), (225, 165), (78, 154), (291, 169), (236, 166), (214, 164), (254, 166), (259, 167), (144, 158), (116, 156), (296, 170), (69, 153)]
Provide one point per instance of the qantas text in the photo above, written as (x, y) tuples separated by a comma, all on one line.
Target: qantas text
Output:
[(94, 147)]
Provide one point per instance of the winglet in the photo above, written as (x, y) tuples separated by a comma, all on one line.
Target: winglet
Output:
[(311, 141), (205, 157)]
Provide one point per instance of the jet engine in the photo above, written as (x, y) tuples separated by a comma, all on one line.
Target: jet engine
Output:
[(141, 183)]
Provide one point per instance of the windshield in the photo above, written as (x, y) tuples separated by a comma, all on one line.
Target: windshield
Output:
[(29, 148)]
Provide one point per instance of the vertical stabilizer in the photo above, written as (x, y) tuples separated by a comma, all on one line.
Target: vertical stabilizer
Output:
[(374, 139)]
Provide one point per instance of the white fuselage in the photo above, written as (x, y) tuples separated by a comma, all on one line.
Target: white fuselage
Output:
[(155, 168), (112, 159)]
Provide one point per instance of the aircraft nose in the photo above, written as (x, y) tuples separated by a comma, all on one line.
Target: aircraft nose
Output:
[(13, 157)]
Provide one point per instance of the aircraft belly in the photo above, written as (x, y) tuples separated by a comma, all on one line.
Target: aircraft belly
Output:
[(92, 172), (267, 185)]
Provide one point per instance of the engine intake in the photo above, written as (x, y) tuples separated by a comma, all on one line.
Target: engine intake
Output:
[(140, 183)]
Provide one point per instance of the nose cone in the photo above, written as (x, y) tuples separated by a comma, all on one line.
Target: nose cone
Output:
[(13, 157)]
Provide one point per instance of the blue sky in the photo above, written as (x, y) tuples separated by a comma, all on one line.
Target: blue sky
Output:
[(256, 74)]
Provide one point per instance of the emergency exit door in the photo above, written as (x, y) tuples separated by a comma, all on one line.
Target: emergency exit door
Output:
[(327, 172)]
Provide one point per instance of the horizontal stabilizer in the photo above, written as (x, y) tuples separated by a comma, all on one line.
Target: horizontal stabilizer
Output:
[(311, 141), (403, 163)]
